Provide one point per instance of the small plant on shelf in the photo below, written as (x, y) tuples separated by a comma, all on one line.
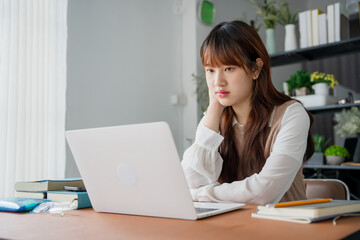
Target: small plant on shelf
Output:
[(300, 80), (348, 122), (285, 17), (336, 154), (336, 150), (267, 11), (320, 143), (319, 77)]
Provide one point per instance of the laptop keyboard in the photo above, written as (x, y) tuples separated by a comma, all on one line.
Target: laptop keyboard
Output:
[(202, 210)]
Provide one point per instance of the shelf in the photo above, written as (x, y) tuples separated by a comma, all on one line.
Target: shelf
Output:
[(318, 52), (335, 167), (332, 108)]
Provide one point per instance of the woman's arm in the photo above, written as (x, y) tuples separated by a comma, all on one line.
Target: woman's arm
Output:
[(202, 162), (278, 172)]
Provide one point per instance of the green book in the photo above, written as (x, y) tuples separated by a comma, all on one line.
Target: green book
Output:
[(81, 199), (48, 185)]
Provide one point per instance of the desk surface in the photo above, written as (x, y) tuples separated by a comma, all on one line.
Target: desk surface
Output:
[(88, 224)]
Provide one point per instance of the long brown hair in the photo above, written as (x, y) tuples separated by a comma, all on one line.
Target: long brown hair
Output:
[(237, 43)]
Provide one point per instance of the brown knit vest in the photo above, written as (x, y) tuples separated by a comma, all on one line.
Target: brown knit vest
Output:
[(297, 189)]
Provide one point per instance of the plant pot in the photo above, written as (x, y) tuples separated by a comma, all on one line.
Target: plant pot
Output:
[(321, 88), (290, 38), (270, 40), (316, 159), (302, 91), (334, 160)]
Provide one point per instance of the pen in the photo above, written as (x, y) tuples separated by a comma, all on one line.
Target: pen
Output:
[(297, 203)]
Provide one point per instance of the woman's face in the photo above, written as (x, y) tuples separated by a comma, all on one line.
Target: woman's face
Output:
[(231, 85)]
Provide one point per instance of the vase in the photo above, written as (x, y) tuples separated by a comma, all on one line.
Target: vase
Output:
[(270, 40), (301, 91), (356, 156), (290, 38), (321, 88)]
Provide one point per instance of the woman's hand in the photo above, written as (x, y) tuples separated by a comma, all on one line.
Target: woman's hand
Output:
[(213, 112)]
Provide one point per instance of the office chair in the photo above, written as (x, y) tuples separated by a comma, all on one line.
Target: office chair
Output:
[(326, 188)]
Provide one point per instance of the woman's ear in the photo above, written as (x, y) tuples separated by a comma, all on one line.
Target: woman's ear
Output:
[(257, 68)]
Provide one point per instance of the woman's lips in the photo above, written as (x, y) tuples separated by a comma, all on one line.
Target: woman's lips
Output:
[(222, 94)]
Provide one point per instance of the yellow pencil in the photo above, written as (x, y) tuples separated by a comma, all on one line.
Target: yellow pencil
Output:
[(297, 203)]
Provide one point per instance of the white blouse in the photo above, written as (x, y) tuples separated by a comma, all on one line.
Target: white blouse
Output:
[(202, 164)]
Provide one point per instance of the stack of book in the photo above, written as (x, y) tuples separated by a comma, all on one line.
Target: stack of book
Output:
[(308, 211), (64, 190), (318, 27)]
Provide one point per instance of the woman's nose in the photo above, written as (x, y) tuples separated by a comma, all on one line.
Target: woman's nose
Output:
[(219, 80)]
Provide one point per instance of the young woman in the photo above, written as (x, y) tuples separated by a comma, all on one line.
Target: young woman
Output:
[(252, 141)]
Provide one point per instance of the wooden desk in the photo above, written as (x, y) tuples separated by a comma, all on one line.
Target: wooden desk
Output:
[(87, 224)]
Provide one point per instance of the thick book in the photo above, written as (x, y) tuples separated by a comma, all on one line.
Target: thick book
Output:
[(81, 199), (38, 195), (308, 213), (48, 185)]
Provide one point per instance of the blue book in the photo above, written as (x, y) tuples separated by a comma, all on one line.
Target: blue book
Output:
[(81, 199), (18, 204)]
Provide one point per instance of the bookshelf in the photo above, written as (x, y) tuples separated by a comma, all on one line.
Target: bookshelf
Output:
[(317, 52)]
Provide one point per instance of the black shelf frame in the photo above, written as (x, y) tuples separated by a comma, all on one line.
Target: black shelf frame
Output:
[(318, 52), (332, 108)]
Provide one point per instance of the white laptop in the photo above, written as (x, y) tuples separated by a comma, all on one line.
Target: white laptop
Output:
[(135, 169)]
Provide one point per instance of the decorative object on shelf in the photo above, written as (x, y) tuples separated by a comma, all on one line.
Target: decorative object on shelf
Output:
[(269, 14), (319, 147), (322, 81), (348, 125), (300, 82), (206, 12), (289, 21), (335, 155)]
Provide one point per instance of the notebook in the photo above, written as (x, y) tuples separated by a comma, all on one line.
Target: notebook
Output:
[(135, 169)]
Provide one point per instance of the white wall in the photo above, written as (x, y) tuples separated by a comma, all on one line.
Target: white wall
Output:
[(124, 63), (126, 58)]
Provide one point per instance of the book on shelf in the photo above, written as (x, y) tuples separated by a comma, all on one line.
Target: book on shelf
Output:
[(330, 23), (302, 29), (308, 213), (38, 195), (322, 29), (48, 185), (315, 13), (341, 22), (81, 199)]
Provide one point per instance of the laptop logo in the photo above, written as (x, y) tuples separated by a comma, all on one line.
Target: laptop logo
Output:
[(126, 174)]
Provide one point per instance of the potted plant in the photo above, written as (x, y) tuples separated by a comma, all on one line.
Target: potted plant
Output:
[(319, 147), (289, 21), (267, 10), (322, 81), (300, 82), (348, 125), (336, 154)]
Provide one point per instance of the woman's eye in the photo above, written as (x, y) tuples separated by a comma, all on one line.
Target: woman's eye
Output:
[(209, 70), (229, 68)]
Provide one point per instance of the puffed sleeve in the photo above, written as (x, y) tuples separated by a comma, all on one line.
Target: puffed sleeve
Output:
[(202, 162)]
